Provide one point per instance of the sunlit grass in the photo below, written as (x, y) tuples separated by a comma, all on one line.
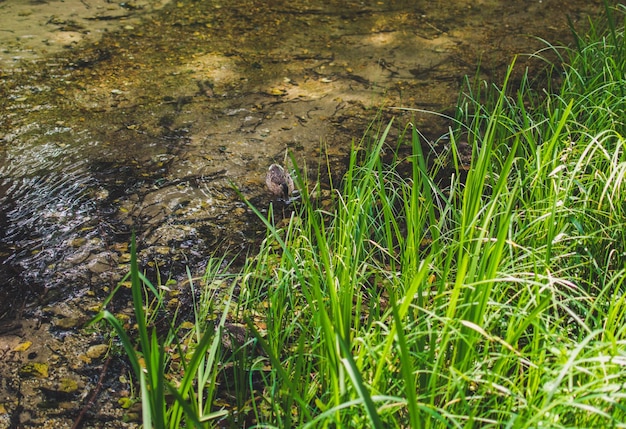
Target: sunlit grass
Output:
[(169, 400), (496, 300), (491, 302)]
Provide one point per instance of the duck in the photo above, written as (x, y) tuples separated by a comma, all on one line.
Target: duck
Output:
[(279, 181)]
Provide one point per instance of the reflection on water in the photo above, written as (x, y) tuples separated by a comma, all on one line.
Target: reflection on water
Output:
[(46, 195)]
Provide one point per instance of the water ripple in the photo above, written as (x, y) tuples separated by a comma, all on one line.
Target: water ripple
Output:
[(46, 202)]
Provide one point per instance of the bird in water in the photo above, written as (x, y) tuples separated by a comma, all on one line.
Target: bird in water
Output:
[(279, 182)]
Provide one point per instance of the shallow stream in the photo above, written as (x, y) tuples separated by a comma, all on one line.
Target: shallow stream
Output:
[(143, 115)]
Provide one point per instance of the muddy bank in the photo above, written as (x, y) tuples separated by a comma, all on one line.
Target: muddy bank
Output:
[(148, 127)]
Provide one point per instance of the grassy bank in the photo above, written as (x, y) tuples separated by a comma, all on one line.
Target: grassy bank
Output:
[(496, 300)]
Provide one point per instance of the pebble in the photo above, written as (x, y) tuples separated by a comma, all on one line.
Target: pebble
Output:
[(68, 322), (97, 351)]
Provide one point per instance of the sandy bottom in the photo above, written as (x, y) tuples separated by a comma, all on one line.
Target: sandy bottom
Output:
[(31, 29)]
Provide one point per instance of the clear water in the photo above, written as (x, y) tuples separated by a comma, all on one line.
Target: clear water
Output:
[(144, 121)]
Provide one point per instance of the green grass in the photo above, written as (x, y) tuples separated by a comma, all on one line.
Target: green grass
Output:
[(167, 400), (495, 301)]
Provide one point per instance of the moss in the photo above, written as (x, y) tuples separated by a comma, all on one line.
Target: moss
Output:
[(34, 369)]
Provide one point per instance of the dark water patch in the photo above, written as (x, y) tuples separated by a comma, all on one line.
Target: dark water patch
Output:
[(60, 191), (60, 211), (44, 198)]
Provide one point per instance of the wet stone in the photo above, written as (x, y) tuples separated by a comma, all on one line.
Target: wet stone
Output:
[(69, 322), (97, 351), (102, 262)]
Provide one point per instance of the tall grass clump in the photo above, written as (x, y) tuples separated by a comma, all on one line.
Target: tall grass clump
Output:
[(177, 368), (493, 298), (495, 301)]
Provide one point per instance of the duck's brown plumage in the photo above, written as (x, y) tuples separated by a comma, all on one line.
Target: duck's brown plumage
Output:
[(279, 181)]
